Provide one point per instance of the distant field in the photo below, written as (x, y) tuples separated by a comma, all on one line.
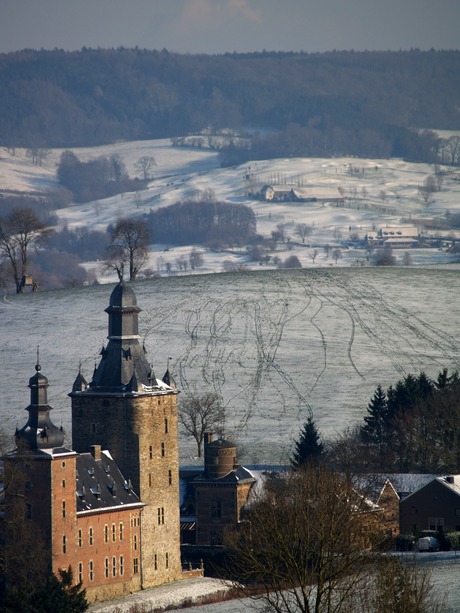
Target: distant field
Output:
[(274, 344)]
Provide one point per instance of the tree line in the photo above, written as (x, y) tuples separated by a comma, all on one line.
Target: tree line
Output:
[(203, 222), (414, 426), (94, 96), (98, 178)]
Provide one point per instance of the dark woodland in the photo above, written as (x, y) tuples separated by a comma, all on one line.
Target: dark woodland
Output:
[(361, 103)]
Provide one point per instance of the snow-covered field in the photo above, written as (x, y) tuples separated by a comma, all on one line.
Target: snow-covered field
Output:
[(274, 344), (377, 193)]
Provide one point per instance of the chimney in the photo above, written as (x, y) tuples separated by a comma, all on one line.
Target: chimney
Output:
[(96, 451), (450, 479), (207, 438)]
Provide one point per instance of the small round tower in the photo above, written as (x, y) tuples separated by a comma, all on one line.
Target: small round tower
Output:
[(219, 458)]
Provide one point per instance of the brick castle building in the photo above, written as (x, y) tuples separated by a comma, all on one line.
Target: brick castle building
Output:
[(109, 507)]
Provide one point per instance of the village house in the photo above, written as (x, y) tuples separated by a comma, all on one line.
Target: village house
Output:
[(435, 506)]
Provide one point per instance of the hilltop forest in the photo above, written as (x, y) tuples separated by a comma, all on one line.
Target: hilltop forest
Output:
[(359, 103)]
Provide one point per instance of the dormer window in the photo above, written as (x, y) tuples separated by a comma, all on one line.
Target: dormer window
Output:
[(96, 491)]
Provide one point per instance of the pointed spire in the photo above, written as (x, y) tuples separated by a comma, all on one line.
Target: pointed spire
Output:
[(80, 384), (167, 377)]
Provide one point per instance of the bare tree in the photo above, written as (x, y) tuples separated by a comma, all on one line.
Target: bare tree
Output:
[(37, 154), (19, 231), (130, 238), (407, 259), (303, 230), (428, 188), (281, 227), (336, 254), (200, 414), (384, 257), (309, 542), (313, 254), (181, 262), (195, 259), (144, 165)]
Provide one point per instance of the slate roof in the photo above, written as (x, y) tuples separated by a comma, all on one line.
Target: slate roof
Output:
[(101, 486), (452, 482), (239, 474), (123, 368), (404, 484)]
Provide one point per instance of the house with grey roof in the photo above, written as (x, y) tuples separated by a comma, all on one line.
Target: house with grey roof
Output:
[(434, 506)]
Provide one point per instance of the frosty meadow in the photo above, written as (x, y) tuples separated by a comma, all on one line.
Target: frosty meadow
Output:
[(274, 344)]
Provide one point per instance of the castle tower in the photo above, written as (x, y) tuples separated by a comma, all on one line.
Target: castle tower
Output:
[(40, 506), (128, 411)]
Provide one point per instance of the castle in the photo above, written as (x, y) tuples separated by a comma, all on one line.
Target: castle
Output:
[(108, 507)]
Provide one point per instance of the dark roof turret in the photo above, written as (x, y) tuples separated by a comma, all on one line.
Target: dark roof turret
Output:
[(39, 431)]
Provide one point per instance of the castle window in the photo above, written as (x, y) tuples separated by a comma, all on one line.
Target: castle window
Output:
[(80, 572), (162, 450), (135, 542), (170, 477), (64, 544), (114, 533), (121, 531), (80, 538), (150, 480), (94, 428), (63, 508), (121, 565), (90, 536), (155, 562), (106, 533), (167, 560), (28, 510), (151, 451), (28, 485), (136, 566), (91, 570), (161, 516), (114, 566), (63, 483), (216, 508), (63, 464), (166, 425), (106, 566)]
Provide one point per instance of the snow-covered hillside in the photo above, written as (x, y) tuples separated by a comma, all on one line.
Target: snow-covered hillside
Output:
[(376, 193)]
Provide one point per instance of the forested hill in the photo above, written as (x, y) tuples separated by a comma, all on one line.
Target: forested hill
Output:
[(90, 97)]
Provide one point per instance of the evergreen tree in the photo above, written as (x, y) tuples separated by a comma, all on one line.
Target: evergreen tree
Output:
[(54, 595), (376, 424), (309, 447)]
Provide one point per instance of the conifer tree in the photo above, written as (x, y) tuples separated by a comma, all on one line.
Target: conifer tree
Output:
[(376, 421), (309, 447)]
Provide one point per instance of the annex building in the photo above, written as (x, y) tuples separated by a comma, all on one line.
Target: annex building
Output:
[(108, 507)]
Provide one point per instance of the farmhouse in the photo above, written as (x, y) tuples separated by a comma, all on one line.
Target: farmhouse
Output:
[(435, 506), (394, 237)]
